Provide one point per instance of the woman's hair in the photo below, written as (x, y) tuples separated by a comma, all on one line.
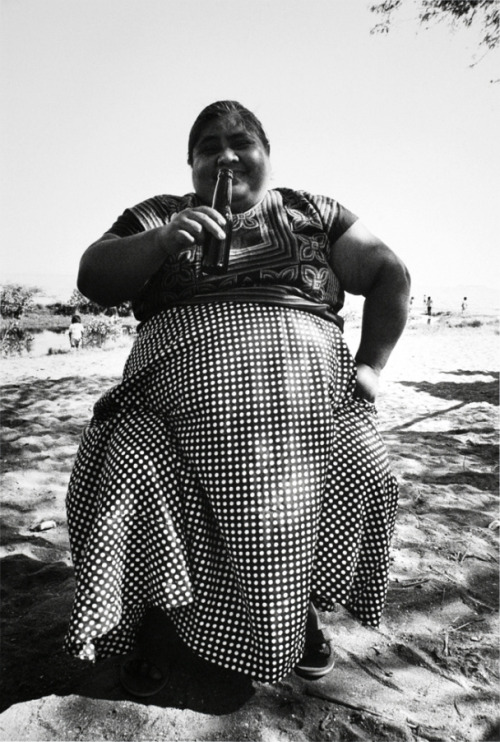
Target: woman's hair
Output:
[(219, 110), (75, 318)]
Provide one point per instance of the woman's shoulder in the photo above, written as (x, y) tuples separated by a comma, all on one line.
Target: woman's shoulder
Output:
[(301, 196), (334, 218), (152, 212), (164, 205), (302, 200)]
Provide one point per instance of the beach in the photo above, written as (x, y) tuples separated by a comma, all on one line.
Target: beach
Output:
[(429, 672)]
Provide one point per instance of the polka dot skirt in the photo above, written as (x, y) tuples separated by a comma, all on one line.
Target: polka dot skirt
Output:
[(228, 478)]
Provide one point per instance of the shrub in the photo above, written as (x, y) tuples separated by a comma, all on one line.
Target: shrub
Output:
[(65, 310), (15, 339), (79, 303), (15, 300), (467, 323), (100, 330)]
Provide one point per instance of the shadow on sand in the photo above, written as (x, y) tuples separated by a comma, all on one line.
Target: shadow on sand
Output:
[(37, 601), (463, 391)]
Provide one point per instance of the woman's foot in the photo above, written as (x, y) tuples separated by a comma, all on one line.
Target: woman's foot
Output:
[(318, 659), (141, 678)]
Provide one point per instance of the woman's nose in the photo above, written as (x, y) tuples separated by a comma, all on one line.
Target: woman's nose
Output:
[(227, 156)]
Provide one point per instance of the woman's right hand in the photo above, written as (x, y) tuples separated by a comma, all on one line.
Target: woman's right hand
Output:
[(189, 227), (115, 269)]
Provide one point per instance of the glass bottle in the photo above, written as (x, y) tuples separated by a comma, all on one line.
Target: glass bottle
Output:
[(215, 253)]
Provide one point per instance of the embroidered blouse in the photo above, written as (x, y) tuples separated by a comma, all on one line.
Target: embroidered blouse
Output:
[(280, 254)]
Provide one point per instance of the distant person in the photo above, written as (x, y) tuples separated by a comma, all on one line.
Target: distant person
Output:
[(75, 332), (411, 301), (429, 306), (464, 304)]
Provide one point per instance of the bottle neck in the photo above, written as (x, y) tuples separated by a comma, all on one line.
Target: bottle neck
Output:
[(223, 189)]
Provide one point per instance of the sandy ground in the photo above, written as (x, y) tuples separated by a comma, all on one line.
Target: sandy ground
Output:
[(430, 672)]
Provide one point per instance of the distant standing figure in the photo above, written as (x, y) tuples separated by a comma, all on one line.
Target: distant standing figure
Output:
[(464, 304), (75, 332), (429, 306)]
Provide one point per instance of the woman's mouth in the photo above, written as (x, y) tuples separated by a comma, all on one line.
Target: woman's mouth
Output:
[(238, 175)]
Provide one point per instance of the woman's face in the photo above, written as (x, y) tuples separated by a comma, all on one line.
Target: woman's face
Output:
[(226, 142)]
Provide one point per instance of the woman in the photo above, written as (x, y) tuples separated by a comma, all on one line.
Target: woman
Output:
[(235, 479)]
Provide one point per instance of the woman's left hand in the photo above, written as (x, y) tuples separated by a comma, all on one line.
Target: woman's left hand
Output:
[(367, 382)]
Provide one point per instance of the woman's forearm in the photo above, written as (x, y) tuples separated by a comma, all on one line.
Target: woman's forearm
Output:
[(114, 269), (385, 312)]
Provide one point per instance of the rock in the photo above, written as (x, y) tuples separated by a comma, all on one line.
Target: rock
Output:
[(45, 525)]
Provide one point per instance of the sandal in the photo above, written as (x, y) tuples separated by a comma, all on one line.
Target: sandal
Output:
[(318, 659), (141, 678)]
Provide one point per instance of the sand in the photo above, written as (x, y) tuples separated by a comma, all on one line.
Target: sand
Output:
[(430, 671)]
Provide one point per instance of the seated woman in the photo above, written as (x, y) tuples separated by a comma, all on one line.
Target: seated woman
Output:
[(235, 478)]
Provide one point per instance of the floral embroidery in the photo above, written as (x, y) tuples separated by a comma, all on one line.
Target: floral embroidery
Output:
[(285, 240)]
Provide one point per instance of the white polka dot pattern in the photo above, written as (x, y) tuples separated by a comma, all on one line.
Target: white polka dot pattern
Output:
[(226, 479)]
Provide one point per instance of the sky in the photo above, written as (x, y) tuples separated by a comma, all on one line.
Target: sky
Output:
[(99, 96)]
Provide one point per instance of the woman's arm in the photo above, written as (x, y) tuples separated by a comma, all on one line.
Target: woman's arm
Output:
[(115, 269), (365, 265)]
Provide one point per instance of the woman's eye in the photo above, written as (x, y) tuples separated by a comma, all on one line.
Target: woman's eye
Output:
[(209, 150)]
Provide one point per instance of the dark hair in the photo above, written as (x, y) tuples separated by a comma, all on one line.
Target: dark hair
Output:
[(220, 109), (75, 318)]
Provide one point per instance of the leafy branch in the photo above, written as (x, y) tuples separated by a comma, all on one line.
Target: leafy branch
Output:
[(484, 14)]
